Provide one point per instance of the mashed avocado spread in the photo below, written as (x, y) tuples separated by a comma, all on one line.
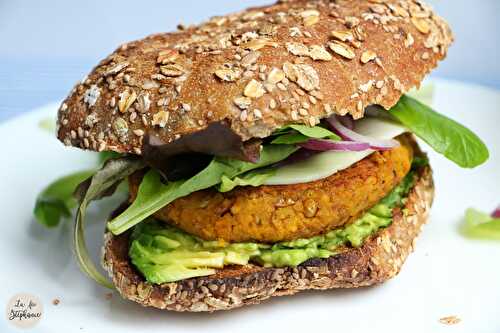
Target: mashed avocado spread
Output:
[(165, 254)]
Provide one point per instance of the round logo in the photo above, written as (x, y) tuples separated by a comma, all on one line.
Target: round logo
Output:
[(24, 310)]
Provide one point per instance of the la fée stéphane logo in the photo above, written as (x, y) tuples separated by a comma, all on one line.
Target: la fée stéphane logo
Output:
[(24, 310)]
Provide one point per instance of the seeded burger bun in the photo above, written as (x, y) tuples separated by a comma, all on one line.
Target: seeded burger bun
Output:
[(257, 70), (254, 72)]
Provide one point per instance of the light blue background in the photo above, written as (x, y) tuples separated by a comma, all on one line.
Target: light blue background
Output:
[(46, 46)]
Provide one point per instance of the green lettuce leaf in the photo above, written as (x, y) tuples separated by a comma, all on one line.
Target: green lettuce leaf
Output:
[(290, 139), (444, 135), (293, 134), (480, 225), (102, 184), (107, 155), (252, 178), (153, 194), (317, 132), (56, 200)]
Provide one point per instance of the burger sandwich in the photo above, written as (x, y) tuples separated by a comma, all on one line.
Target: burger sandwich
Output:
[(266, 152)]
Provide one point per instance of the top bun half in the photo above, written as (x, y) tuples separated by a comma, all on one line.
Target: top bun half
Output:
[(292, 62)]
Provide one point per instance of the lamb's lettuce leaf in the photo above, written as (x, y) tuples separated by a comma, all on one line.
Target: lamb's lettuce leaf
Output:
[(295, 133), (153, 194), (251, 178), (290, 138), (444, 135), (102, 184), (56, 200), (107, 155), (480, 225)]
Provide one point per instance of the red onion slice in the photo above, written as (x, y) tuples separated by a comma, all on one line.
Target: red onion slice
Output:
[(324, 145), (349, 135), (496, 213)]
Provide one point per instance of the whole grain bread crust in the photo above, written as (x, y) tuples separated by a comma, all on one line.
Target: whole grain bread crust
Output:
[(295, 61), (379, 259)]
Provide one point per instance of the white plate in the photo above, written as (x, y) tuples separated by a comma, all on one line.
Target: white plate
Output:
[(447, 275)]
